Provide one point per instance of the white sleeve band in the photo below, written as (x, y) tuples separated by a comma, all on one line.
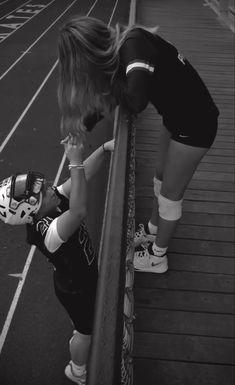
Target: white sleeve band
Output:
[(139, 65), (52, 240), (61, 191)]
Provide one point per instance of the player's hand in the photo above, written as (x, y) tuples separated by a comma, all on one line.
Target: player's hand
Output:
[(73, 147)]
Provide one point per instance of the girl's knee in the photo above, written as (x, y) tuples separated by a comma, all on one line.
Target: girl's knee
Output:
[(159, 173), (172, 193)]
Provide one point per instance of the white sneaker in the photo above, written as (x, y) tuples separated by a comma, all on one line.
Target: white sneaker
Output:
[(142, 236), (80, 380), (145, 261)]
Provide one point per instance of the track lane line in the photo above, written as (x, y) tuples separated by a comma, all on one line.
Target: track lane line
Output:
[(13, 9), (8, 137), (25, 17), (23, 276), (35, 42), (6, 1)]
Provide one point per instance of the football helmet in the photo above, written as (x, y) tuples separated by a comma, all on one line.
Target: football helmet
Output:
[(21, 197)]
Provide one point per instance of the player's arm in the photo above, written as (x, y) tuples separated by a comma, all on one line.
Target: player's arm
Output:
[(92, 164), (70, 220)]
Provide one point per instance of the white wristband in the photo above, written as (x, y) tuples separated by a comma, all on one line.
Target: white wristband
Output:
[(79, 166)]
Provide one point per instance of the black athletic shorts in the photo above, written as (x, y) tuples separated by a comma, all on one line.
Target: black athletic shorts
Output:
[(196, 131), (80, 305)]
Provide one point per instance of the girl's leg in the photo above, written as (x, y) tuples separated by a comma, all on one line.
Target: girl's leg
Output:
[(179, 168), (146, 233), (164, 140)]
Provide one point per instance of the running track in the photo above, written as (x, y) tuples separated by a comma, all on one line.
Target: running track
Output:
[(34, 339)]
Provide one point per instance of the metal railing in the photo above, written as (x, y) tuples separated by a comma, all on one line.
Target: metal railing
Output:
[(110, 359)]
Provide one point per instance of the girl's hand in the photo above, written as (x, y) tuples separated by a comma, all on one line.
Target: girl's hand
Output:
[(73, 147), (109, 146)]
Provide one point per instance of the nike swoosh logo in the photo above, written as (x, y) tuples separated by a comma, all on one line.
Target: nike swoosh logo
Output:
[(184, 136), (155, 263)]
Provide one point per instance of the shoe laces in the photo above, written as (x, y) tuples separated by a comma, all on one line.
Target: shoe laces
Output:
[(142, 253), (140, 231)]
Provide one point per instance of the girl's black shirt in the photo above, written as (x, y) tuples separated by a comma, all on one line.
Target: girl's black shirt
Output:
[(152, 70), (75, 261)]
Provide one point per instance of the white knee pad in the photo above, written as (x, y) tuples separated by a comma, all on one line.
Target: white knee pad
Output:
[(157, 185), (168, 209)]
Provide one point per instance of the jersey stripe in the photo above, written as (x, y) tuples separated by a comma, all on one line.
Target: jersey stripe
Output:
[(139, 65)]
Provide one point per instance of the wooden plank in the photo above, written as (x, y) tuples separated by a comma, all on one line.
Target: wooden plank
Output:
[(185, 300), (148, 155), (202, 219), (191, 194), (192, 206), (188, 281), (217, 143), (211, 185), (197, 292), (203, 166), (148, 135), (198, 175), (202, 247), (184, 348), (209, 207), (213, 151), (205, 233), (156, 320), (147, 179), (162, 372), (201, 263)]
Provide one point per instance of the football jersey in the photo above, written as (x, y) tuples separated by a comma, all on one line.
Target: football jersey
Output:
[(152, 70), (74, 261)]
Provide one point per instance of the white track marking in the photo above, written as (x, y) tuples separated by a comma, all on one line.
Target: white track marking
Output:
[(4, 2), (6, 140), (114, 9), (16, 298), (26, 21), (35, 42), (14, 9), (8, 137)]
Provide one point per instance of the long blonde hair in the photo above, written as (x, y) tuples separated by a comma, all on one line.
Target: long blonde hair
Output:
[(88, 52)]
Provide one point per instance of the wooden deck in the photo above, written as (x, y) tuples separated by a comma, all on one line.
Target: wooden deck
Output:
[(184, 327)]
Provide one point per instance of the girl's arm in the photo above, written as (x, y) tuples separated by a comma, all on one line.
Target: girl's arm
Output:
[(95, 160), (70, 220), (133, 82)]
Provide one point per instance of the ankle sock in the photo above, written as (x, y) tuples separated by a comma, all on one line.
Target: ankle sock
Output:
[(152, 228), (158, 251), (78, 370)]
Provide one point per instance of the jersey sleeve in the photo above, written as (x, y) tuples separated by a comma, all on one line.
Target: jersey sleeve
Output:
[(46, 229), (52, 239), (61, 191), (137, 61)]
